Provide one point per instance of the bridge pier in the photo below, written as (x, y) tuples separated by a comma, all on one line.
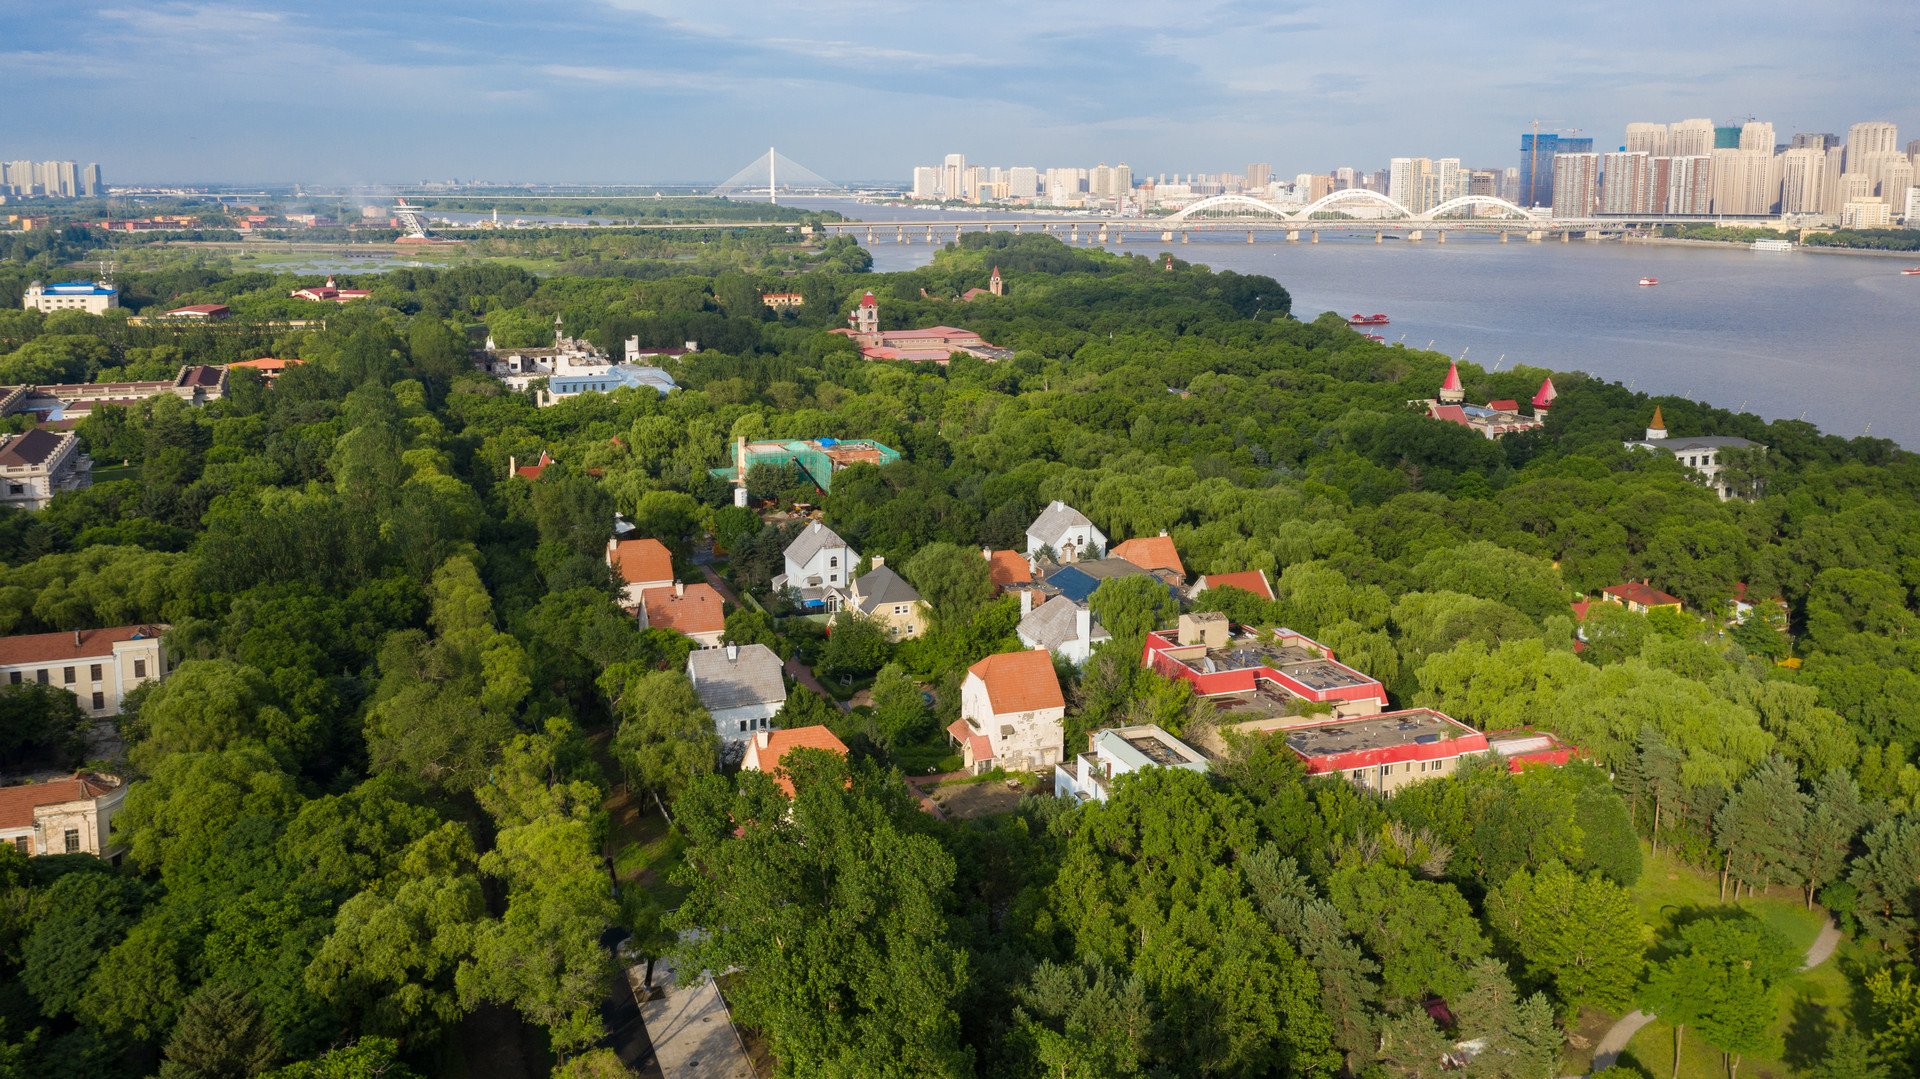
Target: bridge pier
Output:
[(1592, 234), (1119, 237), (1166, 237), (1183, 235), (1503, 235), (1249, 237), (1440, 235), (1416, 236), (1316, 235), (1566, 236), (1103, 235), (1534, 236), (1379, 236), (869, 235), (1293, 236)]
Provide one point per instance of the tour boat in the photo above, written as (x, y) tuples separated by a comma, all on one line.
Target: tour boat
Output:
[(1367, 320), (1373, 337), (1915, 272), (1649, 280)]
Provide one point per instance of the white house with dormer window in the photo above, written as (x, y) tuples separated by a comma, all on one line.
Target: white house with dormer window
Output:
[(819, 563)]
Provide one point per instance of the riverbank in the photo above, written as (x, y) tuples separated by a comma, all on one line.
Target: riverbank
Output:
[(1738, 245)]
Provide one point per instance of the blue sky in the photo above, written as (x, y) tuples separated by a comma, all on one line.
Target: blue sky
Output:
[(655, 91)]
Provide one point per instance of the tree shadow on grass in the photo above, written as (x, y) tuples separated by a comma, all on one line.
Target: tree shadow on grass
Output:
[(1809, 1030)]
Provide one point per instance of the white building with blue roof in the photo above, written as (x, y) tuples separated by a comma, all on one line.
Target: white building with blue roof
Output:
[(71, 296), (619, 376)]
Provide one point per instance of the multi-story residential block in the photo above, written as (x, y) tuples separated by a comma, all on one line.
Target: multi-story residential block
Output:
[(71, 296), (1576, 184), (1387, 751), (1648, 139), (1691, 138), (39, 464), (1623, 183), (98, 666)]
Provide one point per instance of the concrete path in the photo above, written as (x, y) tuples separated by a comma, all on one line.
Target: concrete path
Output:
[(692, 1032), (1607, 1053)]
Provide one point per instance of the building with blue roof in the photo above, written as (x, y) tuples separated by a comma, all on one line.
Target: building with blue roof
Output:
[(71, 296), (619, 376)]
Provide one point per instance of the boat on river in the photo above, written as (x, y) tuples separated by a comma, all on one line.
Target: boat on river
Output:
[(1367, 320), (1649, 281), (1915, 272)]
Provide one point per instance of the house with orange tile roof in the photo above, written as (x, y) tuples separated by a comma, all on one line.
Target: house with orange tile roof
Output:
[(73, 815), (1639, 597), (692, 610), (97, 666), (1151, 553), (767, 749), (268, 367), (1008, 570), (1011, 710), (529, 472), (1253, 580), (642, 563)]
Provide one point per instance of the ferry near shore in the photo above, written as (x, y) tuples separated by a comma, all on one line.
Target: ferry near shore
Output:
[(1367, 320), (1649, 281)]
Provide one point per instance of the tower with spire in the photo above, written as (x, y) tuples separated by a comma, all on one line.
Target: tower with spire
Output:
[(866, 317), (1658, 428), (1543, 400), (1451, 392), (993, 283)]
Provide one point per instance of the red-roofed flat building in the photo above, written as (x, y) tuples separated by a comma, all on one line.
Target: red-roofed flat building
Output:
[(330, 293), (1010, 713), (97, 666), (1639, 597), (692, 610), (1387, 751), (1152, 553), (767, 749), (1284, 667), (62, 816), (1525, 747), (203, 312), (268, 367), (1253, 580), (643, 563)]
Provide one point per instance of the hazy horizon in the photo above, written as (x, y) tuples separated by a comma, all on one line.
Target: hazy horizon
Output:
[(647, 92)]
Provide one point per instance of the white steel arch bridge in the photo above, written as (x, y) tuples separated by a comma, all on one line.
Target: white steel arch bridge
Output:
[(1251, 206)]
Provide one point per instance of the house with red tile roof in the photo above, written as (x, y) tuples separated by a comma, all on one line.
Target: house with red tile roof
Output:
[(1253, 580), (1011, 710), (767, 749), (1008, 570), (204, 312), (692, 610), (642, 563), (1151, 553), (1639, 597), (268, 367), (73, 815), (97, 666), (330, 293), (532, 471)]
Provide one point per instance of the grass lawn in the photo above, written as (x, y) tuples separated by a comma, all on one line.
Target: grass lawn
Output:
[(932, 757), (649, 853), (1811, 1005)]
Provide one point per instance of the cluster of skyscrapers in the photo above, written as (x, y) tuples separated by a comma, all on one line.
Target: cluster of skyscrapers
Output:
[(1693, 168), (1696, 167), (55, 179)]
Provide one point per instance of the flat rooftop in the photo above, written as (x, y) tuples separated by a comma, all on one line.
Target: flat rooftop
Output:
[(1303, 665), (1419, 726), (1152, 745)]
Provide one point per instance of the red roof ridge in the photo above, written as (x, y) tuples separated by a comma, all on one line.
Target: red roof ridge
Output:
[(1019, 681)]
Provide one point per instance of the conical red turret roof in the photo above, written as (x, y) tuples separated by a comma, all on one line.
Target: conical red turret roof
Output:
[(1453, 378), (869, 301), (1658, 424), (1546, 395)]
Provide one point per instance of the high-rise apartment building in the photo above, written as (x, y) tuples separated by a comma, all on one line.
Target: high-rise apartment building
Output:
[(953, 185), (1484, 182), (1756, 135), (1576, 184), (1122, 180), (1623, 182), (1873, 137), (973, 179), (1744, 181), (1690, 138), (1510, 186), (1400, 179), (1726, 136), (1681, 185), (926, 182), (1807, 140), (1913, 151), (1537, 182), (1023, 182), (1803, 172), (90, 182), (1649, 139), (1259, 176)]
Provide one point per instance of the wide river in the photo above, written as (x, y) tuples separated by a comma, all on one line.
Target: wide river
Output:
[(1833, 337)]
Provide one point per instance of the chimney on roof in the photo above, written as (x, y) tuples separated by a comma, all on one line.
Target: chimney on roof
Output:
[(986, 553), (761, 738), (733, 652), (1163, 532), (76, 638), (679, 589), (1026, 602), (877, 561), (1083, 624), (510, 463)]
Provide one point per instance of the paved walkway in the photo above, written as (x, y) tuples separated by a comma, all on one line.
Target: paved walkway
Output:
[(692, 1032), (721, 586), (1614, 1042), (800, 673)]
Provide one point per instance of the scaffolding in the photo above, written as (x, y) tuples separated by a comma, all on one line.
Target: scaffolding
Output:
[(818, 458)]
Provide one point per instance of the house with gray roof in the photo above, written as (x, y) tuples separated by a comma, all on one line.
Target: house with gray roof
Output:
[(887, 597), (819, 564), (1701, 453), (1061, 626), (1065, 530), (741, 687)]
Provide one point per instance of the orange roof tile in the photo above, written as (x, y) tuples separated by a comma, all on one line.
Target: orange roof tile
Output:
[(780, 743), (1020, 681), (642, 560), (87, 644), (697, 611), (981, 745), (17, 803), (1150, 552), (1252, 580), (1645, 595), (1006, 569)]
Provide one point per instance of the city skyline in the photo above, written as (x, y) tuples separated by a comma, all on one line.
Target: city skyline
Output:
[(643, 92)]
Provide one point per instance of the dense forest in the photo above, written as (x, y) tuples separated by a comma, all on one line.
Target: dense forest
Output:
[(411, 733)]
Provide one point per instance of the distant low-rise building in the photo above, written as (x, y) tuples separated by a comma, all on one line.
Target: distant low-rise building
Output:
[(1704, 454), (266, 367), (780, 301), (1010, 713), (1640, 597), (641, 563), (1008, 570), (566, 357), (1495, 419), (73, 815), (1387, 751), (1152, 553), (71, 296), (1252, 581), (330, 293), (37, 465), (934, 344), (1061, 626), (1277, 673), (67, 403), (1119, 751), (817, 459), (767, 751), (202, 312), (98, 666), (741, 687), (622, 376)]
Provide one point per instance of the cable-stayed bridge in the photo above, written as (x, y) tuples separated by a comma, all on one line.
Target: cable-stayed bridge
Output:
[(777, 174)]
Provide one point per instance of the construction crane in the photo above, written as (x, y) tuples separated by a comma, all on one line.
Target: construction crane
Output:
[(410, 220)]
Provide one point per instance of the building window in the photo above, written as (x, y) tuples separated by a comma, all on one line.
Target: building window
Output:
[(16, 489), (23, 844), (13, 677), (833, 562), (66, 676), (42, 676), (139, 668), (743, 726), (73, 841), (99, 700), (93, 672)]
